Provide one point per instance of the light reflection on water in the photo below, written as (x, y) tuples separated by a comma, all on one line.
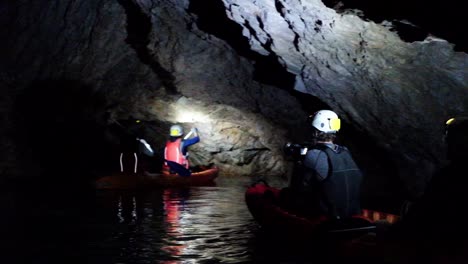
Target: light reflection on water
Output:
[(190, 225), (180, 225), (206, 224)]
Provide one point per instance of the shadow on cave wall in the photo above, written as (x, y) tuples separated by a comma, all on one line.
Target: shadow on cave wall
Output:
[(138, 37), (212, 18), (61, 128)]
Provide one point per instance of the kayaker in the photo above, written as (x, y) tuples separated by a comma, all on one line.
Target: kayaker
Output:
[(177, 146), (434, 226), (440, 214), (330, 181), (131, 144)]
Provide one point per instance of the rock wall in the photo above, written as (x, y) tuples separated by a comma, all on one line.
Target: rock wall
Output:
[(398, 93), (148, 60), (159, 60)]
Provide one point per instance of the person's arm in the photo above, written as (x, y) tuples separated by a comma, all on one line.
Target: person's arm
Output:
[(190, 141)]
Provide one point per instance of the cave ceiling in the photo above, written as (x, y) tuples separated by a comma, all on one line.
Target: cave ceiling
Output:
[(394, 72)]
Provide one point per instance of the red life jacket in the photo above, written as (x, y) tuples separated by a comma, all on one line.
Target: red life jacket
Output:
[(173, 152)]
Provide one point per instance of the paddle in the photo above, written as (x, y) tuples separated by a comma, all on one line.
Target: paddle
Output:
[(179, 169), (371, 227)]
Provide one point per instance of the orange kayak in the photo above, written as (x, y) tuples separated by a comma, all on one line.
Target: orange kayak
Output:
[(151, 180), (262, 202)]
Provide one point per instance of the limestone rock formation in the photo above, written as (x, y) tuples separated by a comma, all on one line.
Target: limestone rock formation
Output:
[(161, 60), (396, 92)]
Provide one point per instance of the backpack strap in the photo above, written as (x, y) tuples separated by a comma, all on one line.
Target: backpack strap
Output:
[(332, 211), (326, 150)]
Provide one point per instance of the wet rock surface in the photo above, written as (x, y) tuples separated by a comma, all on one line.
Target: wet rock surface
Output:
[(251, 89)]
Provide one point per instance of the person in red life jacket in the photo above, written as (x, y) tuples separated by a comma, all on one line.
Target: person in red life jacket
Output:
[(177, 146), (330, 181)]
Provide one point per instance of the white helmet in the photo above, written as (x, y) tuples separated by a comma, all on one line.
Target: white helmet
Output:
[(326, 121), (176, 131)]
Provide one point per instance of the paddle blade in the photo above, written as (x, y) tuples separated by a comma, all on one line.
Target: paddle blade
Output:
[(179, 169)]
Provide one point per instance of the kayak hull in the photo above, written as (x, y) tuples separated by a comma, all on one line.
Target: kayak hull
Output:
[(262, 202), (151, 180)]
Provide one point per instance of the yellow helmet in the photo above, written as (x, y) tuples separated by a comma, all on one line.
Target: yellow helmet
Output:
[(176, 131), (456, 138), (457, 128), (326, 121)]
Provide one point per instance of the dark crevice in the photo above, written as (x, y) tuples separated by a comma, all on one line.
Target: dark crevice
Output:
[(409, 32), (212, 19), (269, 41), (257, 149), (138, 31), (296, 42), (270, 71), (318, 26), (260, 22), (279, 7), (253, 33)]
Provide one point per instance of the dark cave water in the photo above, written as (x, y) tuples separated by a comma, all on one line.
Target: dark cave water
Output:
[(178, 225)]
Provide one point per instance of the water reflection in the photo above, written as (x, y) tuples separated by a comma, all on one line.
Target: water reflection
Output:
[(174, 201), (190, 225), (178, 225)]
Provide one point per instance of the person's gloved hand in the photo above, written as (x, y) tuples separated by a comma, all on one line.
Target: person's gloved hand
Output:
[(142, 140), (148, 151)]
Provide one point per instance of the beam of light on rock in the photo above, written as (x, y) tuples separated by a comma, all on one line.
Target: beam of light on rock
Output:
[(189, 116)]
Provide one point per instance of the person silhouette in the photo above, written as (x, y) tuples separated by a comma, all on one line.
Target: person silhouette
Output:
[(329, 182), (435, 224)]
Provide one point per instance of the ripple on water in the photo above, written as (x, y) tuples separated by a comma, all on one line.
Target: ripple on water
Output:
[(185, 225)]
